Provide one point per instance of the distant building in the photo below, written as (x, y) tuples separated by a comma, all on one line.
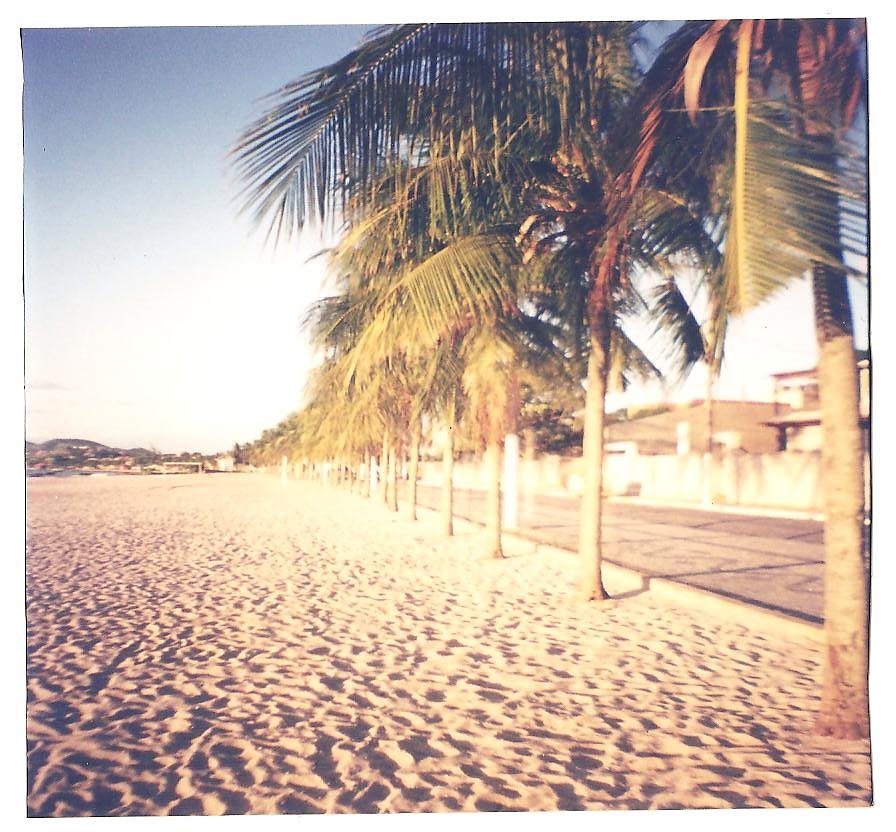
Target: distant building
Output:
[(798, 424), (682, 429)]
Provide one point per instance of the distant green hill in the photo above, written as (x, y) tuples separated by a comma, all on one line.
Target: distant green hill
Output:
[(85, 453), (68, 453), (69, 444)]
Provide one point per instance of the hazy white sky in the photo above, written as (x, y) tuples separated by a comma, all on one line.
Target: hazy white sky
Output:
[(153, 316)]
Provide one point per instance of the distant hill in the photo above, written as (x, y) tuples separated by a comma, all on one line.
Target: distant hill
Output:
[(68, 453), (87, 454), (64, 444)]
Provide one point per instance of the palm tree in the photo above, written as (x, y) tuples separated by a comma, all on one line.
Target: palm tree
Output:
[(456, 339), (788, 213), (401, 250), (428, 89), (355, 412), (438, 373), (596, 262), (483, 108), (481, 327)]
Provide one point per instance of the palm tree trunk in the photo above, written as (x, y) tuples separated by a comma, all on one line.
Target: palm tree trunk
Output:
[(365, 485), (591, 585), (844, 697), (493, 497), (448, 472), (413, 469), (384, 468), (511, 470), (392, 495)]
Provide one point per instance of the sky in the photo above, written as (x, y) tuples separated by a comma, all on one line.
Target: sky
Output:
[(154, 314)]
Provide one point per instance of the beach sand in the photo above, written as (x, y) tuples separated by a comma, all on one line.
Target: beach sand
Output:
[(219, 644)]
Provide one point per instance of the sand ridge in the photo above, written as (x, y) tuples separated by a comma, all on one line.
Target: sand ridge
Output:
[(223, 644)]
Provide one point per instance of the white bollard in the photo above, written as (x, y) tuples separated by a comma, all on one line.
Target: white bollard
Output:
[(284, 470), (707, 477), (683, 445)]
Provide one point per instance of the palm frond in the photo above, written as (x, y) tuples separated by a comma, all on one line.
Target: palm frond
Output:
[(339, 123), (675, 320), (786, 208)]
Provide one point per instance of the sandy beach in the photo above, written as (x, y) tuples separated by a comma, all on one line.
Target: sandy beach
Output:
[(225, 644)]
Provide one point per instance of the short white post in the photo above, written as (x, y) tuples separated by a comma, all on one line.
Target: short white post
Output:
[(683, 446), (707, 472), (284, 469), (631, 462)]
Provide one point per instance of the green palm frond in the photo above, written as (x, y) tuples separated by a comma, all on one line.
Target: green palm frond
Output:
[(438, 376), (786, 208), (489, 366), (318, 133), (413, 90), (471, 280), (675, 320), (331, 321)]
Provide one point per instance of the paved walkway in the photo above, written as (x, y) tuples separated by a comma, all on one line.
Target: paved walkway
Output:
[(771, 562)]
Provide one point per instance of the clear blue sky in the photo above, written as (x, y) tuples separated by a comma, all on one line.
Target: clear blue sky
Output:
[(154, 316)]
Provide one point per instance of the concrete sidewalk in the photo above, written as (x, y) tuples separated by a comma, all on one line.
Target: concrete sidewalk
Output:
[(772, 564), (741, 511)]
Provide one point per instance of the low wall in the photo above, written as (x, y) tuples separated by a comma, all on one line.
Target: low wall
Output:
[(787, 480), (782, 480)]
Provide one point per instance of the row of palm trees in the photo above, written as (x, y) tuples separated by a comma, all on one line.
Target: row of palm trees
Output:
[(505, 196)]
